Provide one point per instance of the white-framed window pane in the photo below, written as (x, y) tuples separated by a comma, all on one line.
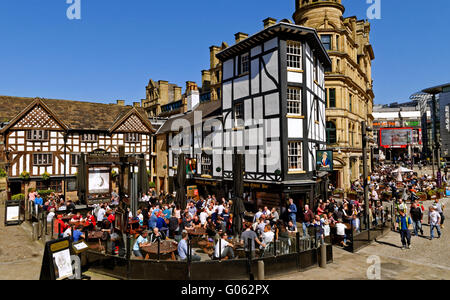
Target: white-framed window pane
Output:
[(295, 155), (244, 63), (294, 101), (294, 55)]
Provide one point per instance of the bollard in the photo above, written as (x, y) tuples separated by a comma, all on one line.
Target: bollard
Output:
[(260, 270), (323, 256), (34, 235)]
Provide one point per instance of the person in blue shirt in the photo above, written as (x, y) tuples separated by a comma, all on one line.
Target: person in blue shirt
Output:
[(152, 221), (140, 242), (404, 223), (162, 225), (292, 209), (78, 234), (183, 249)]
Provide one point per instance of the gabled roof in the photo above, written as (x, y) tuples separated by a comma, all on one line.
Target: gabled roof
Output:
[(75, 115), (310, 34)]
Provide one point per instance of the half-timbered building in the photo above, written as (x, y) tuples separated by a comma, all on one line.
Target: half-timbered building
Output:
[(47, 136), (272, 111)]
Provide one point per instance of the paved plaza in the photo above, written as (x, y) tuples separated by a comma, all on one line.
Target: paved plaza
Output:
[(425, 260)]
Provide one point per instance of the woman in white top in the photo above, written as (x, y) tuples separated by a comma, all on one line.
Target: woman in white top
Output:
[(267, 237)]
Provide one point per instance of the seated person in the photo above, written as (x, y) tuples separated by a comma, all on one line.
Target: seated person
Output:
[(70, 207), (187, 222), (152, 221), (210, 229), (161, 224), (141, 241), (183, 249), (78, 234), (196, 222), (77, 218), (225, 250), (291, 228), (117, 244), (156, 235)]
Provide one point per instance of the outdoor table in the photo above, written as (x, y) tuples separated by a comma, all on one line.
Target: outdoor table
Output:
[(197, 231), (166, 248)]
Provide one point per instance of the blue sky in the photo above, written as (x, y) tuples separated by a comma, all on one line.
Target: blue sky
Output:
[(118, 45)]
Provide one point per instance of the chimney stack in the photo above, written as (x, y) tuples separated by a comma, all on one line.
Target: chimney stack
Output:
[(269, 22), (136, 104), (240, 36), (192, 95), (120, 102)]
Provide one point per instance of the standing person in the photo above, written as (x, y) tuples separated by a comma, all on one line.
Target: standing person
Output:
[(416, 215), (404, 224), (292, 210), (434, 219), (439, 207), (308, 217), (250, 234)]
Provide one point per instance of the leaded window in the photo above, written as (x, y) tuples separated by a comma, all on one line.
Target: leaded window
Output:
[(294, 101), (294, 55), (295, 155)]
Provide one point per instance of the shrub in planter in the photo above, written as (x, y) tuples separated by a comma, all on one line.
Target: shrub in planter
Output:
[(422, 196), (151, 185), (46, 176), (18, 197), (25, 175), (2, 173)]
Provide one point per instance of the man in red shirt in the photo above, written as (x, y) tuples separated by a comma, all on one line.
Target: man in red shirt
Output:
[(60, 226)]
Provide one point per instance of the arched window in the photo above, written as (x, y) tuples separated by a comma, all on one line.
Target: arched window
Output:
[(331, 133)]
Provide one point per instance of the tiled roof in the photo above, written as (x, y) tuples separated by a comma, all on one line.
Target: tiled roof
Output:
[(76, 115)]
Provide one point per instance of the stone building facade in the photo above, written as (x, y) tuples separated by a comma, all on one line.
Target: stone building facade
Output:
[(348, 83)]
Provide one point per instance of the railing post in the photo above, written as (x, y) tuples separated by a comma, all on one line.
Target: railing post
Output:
[(275, 247), (297, 236), (159, 248), (220, 249)]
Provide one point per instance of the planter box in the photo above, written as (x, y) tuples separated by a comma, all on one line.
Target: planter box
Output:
[(338, 195), (352, 196)]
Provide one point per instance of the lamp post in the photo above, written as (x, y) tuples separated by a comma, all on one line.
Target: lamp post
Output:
[(365, 140)]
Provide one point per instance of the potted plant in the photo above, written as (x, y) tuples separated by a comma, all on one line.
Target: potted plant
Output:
[(25, 175), (151, 185), (2, 173), (114, 174), (46, 176)]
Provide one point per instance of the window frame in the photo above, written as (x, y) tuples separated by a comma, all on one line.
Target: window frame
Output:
[(294, 55), (88, 137), (39, 162), (38, 135), (298, 156), (292, 103), (137, 137), (329, 36)]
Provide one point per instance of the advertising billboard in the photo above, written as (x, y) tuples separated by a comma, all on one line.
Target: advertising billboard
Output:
[(395, 137)]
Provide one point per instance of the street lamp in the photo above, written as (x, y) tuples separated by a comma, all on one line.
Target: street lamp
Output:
[(365, 140)]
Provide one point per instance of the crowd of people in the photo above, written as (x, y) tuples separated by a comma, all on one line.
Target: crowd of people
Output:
[(160, 218)]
